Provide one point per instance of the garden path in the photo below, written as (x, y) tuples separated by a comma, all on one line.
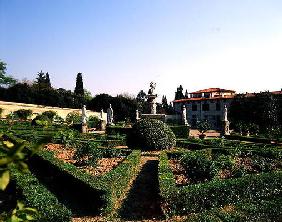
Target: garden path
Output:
[(143, 200)]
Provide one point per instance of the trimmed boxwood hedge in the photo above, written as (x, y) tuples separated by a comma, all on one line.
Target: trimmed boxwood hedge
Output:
[(216, 193), (104, 191), (252, 210), (37, 196)]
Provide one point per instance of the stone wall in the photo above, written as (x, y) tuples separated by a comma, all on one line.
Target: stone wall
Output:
[(9, 107)]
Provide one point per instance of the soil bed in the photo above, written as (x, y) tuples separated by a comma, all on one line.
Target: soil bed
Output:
[(104, 165)]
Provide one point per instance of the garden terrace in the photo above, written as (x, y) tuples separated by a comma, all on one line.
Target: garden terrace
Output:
[(207, 189)]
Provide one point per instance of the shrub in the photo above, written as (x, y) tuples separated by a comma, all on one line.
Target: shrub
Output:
[(49, 114), (73, 118), (180, 131), (41, 120), (88, 154), (23, 114), (66, 137), (93, 122), (197, 165), (152, 134)]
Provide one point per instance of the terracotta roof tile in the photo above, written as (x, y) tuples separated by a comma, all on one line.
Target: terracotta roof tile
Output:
[(202, 99), (212, 90)]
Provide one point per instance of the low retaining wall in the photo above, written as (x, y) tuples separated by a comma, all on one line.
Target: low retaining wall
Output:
[(9, 107)]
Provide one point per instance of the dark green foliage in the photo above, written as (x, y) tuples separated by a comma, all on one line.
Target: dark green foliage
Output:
[(216, 193), (179, 93), (43, 80), (66, 137), (203, 126), (23, 114), (79, 85), (73, 118), (88, 154), (151, 134), (49, 114), (93, 122), (124, 106), (197, 165), (180, 131), (264, 110), (4, 79), (37, 196), (253, 210)]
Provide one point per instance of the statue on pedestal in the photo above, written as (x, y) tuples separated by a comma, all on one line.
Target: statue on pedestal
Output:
[(83, 120), (110, 114), (152, 88), (184, 116), (225, 122)]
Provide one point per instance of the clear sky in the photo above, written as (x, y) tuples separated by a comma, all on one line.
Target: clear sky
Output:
[(122, 45)]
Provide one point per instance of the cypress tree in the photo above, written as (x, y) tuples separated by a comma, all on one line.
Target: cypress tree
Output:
[(47, 80), (79, 85)]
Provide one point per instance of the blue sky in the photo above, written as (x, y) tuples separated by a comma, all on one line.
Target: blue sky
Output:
[(122, 45)]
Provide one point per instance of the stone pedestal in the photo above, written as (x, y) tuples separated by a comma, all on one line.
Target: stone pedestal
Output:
[(225, 127), (84, 128), (152, 102), (102, 125)]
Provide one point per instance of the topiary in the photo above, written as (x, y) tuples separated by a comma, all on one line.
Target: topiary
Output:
[(152, 134)]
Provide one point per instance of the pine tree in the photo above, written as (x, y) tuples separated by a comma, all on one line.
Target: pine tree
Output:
[(79, 85), (40, 78)]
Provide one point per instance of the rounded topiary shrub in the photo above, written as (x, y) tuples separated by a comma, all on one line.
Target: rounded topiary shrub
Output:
[(152, 134)]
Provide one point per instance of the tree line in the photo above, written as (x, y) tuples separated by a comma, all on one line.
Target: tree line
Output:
[(41, 92)]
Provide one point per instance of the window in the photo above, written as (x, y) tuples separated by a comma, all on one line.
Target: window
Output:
[(194, 107), (218, 107), (206, 107)]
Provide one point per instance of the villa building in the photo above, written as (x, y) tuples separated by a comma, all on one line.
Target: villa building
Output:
[(206, 104)]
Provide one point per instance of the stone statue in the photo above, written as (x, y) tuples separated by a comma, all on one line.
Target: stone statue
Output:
[(225, 113), (152, 88), (83, 115), (137, 115), (184, 115), (225, 127), (110, 114)]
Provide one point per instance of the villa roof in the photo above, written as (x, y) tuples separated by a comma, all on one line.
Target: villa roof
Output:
[(209, 90), (202, 99)]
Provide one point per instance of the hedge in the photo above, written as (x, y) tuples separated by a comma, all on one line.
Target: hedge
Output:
[(39, 197), (252, 210), (180, 131), (216, 193), (114, 130), (103, 192), (249, 138)]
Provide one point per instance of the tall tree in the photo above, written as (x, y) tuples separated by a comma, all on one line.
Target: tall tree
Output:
[(164, 102), (47, 80), (186, 94), (4, 79), (79, 85), (179, 93)]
